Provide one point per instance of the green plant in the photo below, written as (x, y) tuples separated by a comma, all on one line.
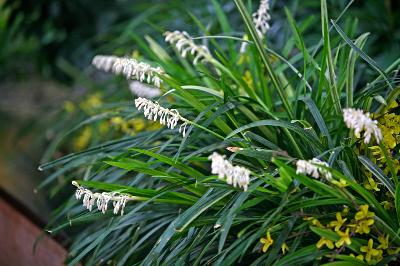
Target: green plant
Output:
[(311, 196)]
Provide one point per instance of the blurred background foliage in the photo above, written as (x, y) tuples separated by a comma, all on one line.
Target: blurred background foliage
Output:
[(47, 83)]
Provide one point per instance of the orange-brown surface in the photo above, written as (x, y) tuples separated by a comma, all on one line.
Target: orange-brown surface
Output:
[(17, 238)]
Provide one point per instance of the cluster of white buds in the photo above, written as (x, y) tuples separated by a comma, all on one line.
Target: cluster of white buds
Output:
[(101, 199), (357, 120), (312, 168), (130, 68), (141, 90), (184, 43), (141, 71), (261, 18), (235, 175), (169, 117), (104, 62)]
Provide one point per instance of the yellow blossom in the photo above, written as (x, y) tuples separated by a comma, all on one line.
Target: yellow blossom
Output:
[(267, 241), (93, 101), (370, 251), (341, 183), (317, 223), (386, 205), (364, 213), (69, 107), (338, 223), (371, 184), (284, 248), (325, 242), (363, 226), (82, 141), (394, 251), (384, 242), (359, 257), (344, 238), (345, 211)]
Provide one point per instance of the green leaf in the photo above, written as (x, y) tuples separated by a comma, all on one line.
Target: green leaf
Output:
[(378, 173)]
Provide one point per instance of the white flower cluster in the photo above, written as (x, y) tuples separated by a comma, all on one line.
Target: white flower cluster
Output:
[(261, 18), (142, 90), (104, 62), (130, 68), (235, 175), (169, 117), (184, 43), (357, 120), (101, 199), (311, 168)]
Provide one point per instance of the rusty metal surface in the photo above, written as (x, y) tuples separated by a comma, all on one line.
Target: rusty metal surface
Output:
[(18, 236)]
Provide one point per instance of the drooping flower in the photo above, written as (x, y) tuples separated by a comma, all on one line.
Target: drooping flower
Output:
[(261, 18), (185, 44), (267, 241), (101, 199), (325, 242), (141, 90), (141, 71), (169, 117), (104, 62), (360, 122), (311, 167), (235, 175)]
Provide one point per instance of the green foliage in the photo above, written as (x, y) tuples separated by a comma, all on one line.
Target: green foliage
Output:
[(265, 109)]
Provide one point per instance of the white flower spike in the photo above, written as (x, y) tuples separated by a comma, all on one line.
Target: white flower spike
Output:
[(141, 90), (130, 68), (357, 120), (260, 21), (104, 62), (141, 71), (184, 43), (101, 199), (311, 168), (261, 18), (169, 117), (235, 175)]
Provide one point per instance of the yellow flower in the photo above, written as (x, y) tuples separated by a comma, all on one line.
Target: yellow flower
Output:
[(345, 211), (364, 213), (325, 242), (92, 101), (248, 78), (386, 205), (341, 183), (344, 238), (82, 141), (393, 251), (370, 251), (371, 184), (362, 226), (316, 223), (284, 248), (384, 242), (69, 107), (338, 223), (267, 241), (359, 257)]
